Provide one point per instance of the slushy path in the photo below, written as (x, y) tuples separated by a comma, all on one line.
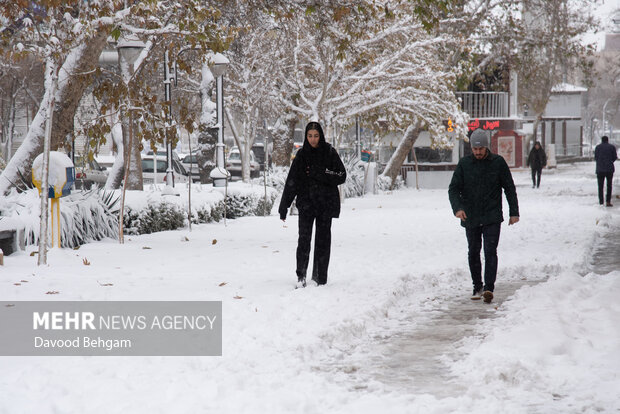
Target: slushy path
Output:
[(407, 355), (606, 253)]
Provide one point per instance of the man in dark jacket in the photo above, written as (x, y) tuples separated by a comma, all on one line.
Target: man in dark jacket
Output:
[(537, 160), (605, 154), (313, 178), (476, 197)]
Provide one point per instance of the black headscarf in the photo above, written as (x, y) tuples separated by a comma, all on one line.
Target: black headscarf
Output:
[(316, 156), (317, 127)]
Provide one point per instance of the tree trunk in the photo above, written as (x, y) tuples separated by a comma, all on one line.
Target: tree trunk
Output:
[(52, 84), (116, 173), (205, 153), (392, 169), (207, 135), (67, 96), (71, 95), (132, 154), (283, 138)]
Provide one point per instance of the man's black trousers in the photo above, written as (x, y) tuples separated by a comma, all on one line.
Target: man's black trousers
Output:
[(536, 172), (490, 233), (601, 178), (322, 246)]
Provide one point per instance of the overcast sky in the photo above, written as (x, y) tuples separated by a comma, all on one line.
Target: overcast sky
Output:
[(604, 12)]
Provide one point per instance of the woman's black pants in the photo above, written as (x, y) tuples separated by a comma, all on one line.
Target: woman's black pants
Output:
[(322, 246)]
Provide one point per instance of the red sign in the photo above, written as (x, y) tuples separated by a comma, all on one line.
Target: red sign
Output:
[(488, 125)]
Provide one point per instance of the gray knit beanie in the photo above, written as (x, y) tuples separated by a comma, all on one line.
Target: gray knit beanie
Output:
[(479, 138)]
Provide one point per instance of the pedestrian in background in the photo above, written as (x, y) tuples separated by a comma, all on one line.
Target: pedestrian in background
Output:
[(476, 197), (605, 154), (315, 174), (537, 160)]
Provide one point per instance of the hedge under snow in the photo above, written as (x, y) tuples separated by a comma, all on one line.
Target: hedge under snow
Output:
[(93, 214)]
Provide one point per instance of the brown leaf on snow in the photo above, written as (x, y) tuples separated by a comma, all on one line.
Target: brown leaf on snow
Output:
[(9, 305), (76, 248), (105, 284), (24, 281), (214, 241), (237, 297), (222, 284), (86, 262), (52, 292), (33, 253), (146, 247), (17, 284)]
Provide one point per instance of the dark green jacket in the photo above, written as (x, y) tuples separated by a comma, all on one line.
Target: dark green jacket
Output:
[(476, 188)]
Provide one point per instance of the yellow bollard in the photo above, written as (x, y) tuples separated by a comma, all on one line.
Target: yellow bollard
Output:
[(55, 205)]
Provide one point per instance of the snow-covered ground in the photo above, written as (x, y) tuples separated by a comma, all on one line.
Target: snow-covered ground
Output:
[(552, 347)]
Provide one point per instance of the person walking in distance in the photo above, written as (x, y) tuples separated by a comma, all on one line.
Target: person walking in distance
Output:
[(315, 174), (537, 160), (475, 194), (605, 154)]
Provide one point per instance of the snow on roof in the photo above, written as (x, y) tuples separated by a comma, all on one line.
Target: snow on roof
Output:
[(567, 87)]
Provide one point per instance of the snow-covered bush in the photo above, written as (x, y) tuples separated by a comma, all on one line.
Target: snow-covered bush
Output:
[(93, 215), (153, 218), (249, 200), (384, 183), (354, 186), (85, 216), (276, 178), (148, 211)]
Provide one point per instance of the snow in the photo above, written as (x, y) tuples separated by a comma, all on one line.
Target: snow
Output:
[(58, 164), (551, 347), (567, 87)]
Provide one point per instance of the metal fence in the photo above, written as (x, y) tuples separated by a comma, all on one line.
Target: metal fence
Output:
[(484, 104)]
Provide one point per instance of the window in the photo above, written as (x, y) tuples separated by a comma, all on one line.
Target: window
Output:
[(147, 165)]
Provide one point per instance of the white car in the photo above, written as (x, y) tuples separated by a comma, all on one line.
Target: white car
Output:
[(190, 162), (89, 172), (233, 164), (149, 176)]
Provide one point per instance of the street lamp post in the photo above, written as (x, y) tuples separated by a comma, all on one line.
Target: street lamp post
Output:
[(219, 173), (129, 50), (604, 114), (168, 77)]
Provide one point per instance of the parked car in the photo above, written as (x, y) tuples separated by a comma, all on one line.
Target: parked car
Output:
[(233, 163), (190, 163), (89, 172), (161, 152), (259, 154), (179, 174), (296, 147)]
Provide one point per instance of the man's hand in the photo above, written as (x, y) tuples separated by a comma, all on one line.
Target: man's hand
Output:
[(513, 220), (461, 214)]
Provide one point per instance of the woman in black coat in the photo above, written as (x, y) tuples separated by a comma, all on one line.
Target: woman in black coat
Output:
[(537, 161), (315, 174)]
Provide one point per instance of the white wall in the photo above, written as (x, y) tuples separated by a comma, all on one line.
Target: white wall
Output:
[(564, 105), (430, 179)]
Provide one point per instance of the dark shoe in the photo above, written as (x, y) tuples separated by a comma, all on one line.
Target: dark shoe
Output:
[(488, 296), (609, 205), (301, 282), (477, 295)]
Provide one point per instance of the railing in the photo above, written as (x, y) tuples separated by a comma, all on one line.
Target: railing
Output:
[(484, 104)]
